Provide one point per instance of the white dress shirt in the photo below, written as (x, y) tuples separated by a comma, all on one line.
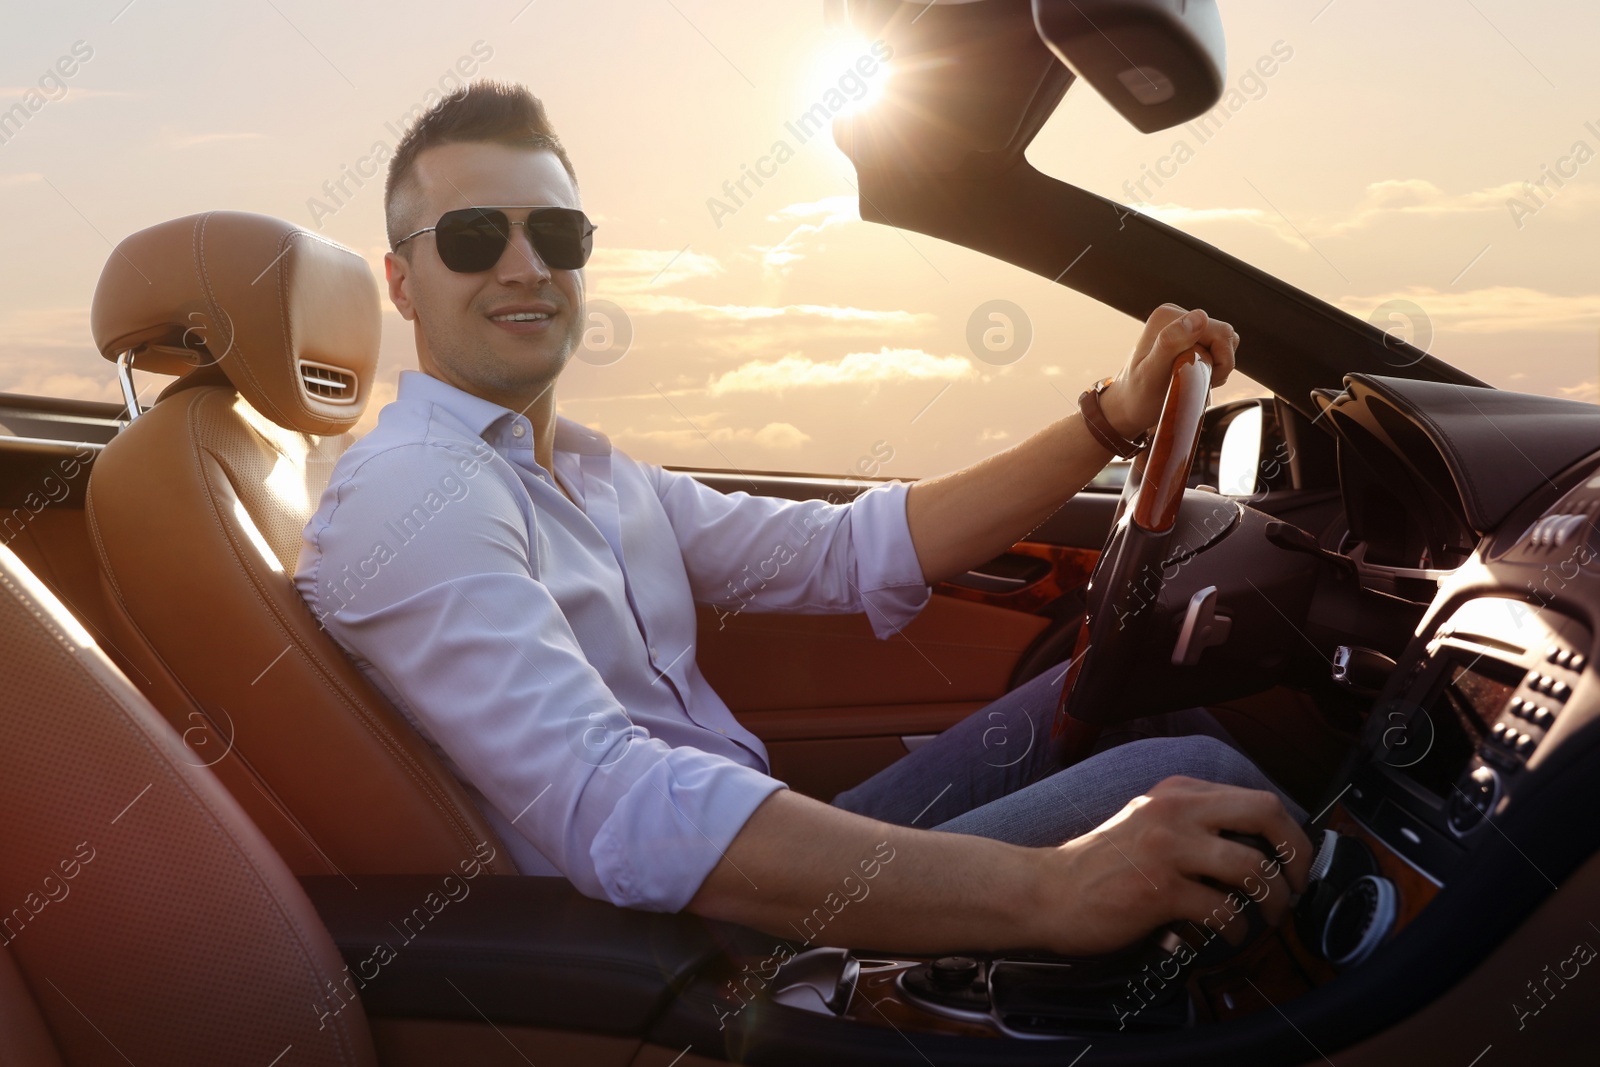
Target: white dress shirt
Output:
[(545, 648)]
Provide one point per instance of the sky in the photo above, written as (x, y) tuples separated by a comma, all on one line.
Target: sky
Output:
[(1397, 161)]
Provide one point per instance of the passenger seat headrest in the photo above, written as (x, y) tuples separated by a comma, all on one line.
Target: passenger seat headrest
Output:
[(291, 318)]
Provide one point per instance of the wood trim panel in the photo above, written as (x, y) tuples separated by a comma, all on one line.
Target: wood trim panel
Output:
[(1071, 569), (1411, 886)]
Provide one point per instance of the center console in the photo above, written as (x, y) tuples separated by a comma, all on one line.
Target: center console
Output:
[(1448, 746)]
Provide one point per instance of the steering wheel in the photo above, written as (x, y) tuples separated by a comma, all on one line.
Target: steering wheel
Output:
[(1127, 580)]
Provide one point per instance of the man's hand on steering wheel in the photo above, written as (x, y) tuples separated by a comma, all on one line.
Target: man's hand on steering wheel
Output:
[(1166, 384), (1133, 400)]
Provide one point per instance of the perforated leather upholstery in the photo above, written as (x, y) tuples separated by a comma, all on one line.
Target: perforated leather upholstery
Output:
[(145, 919)]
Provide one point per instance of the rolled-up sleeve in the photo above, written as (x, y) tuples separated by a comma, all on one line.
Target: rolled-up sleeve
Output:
[(760, 553), (473, 644)]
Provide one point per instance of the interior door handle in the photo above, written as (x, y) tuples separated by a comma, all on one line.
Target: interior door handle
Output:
[(1008, 573)]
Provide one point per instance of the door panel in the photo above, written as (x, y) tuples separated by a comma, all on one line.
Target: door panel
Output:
[(1030, 577), (832, 703), (953, 651)]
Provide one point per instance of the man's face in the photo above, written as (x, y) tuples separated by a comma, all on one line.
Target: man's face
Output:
[(463, 335)]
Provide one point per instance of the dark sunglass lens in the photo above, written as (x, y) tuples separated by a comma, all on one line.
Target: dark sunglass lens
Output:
[(472, 240), (563, 237)]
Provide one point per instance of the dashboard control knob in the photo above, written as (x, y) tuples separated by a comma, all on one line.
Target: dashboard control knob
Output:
[(953, 972), (1359, 920), (1474, 799), (1323, 861)]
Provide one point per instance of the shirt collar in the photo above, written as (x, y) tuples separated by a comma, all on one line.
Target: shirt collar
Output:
[(478, 414)]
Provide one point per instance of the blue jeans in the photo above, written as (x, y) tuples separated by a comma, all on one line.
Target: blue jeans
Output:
[(997, 773)]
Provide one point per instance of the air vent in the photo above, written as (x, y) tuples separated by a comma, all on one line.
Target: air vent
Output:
[(332, 385)]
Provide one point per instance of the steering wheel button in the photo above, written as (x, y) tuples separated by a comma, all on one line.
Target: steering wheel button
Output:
[(1543, 717), (1560, 690), (1499, 732), (1576, 661), (1525, 744)]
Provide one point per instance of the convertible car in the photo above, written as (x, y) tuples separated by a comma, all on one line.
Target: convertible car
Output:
[(221, 845)]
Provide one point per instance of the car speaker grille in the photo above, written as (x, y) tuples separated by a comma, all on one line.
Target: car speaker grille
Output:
[(332, 385)]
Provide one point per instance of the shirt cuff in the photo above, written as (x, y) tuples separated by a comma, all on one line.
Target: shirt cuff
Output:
[(888, 573), (673, 826)]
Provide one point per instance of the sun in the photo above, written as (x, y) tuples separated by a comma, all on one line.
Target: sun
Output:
[(848, 74)]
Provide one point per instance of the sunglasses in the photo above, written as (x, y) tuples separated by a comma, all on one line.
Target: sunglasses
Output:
[(472, 239)]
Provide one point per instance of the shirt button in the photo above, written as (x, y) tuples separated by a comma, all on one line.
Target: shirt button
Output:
[(517, 429), (652, 652)]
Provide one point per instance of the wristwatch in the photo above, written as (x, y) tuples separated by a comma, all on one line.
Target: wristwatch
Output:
[(1094, 418)]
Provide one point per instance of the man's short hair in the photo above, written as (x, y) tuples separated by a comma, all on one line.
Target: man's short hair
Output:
[(493, 112)]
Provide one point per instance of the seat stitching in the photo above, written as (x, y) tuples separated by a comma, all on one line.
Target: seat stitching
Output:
[(211, 298)]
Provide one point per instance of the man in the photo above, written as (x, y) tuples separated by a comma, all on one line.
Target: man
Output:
[(524, 594)]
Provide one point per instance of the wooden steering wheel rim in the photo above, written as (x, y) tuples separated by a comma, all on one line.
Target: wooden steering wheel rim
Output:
[(1166, 472), (1151, 518)]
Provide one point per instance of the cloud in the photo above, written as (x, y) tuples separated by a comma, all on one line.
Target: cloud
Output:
[(1177, 214), (64, 384), (777, 436), (857, 368), (637, 270), (818, 215), (52, 327), (829, 209), (1380, 201), (1498, 309), (189, 140), (664, 304)]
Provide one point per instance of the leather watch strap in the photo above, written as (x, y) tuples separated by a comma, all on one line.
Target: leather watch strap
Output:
[(1100, 428)]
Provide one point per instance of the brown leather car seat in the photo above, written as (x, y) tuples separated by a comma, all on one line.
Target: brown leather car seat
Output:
[(196, 511), (145, 919)]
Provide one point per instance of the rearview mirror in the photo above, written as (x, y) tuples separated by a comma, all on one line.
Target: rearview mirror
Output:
[(1160, 63)]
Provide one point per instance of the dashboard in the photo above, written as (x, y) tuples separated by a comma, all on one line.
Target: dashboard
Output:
[(1462, 806)]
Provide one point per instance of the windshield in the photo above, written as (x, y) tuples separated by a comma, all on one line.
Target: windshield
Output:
[(741, 316)]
